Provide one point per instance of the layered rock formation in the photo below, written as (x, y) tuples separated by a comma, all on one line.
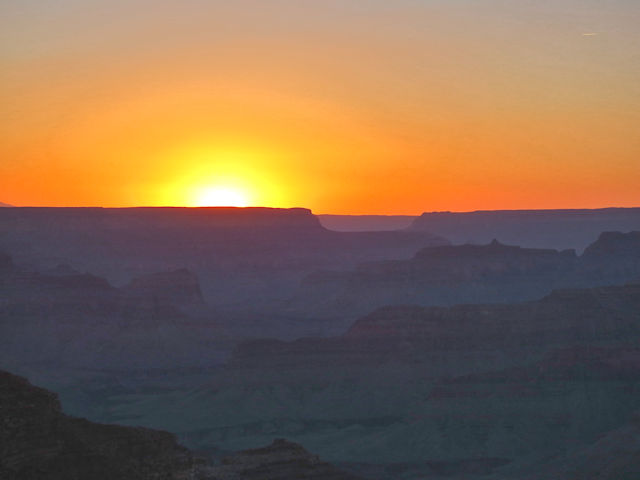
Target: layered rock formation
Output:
[(447, 275), (410, 332), (241, 253)]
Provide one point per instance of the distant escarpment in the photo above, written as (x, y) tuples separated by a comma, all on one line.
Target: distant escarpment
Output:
[(557, 229), (447, 275), (66, 318), (37, 441), (242, 255), (412, 333)]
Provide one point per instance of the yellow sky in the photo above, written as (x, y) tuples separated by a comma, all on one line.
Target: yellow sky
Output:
[(353, 106)]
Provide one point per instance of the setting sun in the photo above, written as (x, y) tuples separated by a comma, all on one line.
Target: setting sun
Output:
[(221, 197)]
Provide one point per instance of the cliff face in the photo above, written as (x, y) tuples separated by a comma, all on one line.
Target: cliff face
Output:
[(37, 441)]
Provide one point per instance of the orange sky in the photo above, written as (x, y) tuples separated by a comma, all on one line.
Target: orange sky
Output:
[(350, 106)]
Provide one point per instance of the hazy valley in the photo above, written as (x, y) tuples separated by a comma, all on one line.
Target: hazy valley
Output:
[(422, 352)]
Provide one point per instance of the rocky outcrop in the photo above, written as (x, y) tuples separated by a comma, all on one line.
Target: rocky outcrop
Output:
[(615, 256), (282, 459), (615, 244), (37, 441)]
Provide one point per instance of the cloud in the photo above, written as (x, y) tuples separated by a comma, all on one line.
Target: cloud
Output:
[(590, 34)]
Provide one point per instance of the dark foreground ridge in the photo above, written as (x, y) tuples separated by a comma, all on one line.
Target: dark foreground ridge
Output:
[(38, 441)]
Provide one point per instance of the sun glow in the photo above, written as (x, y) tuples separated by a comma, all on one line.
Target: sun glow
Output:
[(199, 175), (221, 197)]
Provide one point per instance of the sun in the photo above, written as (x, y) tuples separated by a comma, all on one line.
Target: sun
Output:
[(221, 197)]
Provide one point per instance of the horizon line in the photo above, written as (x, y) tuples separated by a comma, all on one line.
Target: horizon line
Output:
[(249, 207)]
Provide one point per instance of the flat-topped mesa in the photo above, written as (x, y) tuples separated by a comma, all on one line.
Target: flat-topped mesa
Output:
[(176, 287), (226, 217), (53, 218)]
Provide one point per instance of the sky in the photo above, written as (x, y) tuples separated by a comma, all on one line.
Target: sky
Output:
[(345, 107)]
